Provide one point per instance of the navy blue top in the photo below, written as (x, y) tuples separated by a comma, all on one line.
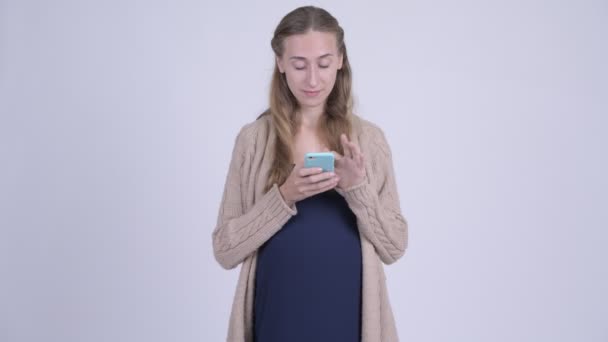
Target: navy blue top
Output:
[(308, 276)]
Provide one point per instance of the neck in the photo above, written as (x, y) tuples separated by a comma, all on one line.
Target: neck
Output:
[(309, 117)]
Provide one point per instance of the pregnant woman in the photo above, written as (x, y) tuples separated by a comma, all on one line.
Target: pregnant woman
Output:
[(311, 244)]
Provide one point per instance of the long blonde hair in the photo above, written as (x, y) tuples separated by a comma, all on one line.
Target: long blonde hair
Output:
[(337, 118)]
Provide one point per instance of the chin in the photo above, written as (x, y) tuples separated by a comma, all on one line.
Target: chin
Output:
[(312, 102)]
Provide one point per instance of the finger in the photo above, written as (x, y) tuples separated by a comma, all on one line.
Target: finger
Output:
[(360, 163), (360, 160), (319, 177), (307, 171), (328, 187), (355, 148), (337, 156), (347, 151), (321, 186)]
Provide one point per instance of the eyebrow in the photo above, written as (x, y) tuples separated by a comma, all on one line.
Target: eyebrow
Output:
[(303, 58)]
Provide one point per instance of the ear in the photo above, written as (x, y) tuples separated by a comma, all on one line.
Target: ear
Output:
[(280, 64), (340, 61)]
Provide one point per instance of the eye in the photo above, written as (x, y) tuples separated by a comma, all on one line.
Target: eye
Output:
[(299, 66), (324, 66)]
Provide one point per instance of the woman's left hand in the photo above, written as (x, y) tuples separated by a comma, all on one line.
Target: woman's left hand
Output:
[(350, 167)]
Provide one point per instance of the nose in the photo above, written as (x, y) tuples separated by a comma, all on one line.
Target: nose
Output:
[(313, 77)]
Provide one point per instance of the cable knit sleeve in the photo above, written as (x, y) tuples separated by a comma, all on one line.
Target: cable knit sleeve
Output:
[(240, 232), (375, 202)]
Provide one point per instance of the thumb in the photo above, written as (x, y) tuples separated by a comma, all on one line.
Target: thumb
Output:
[(337, 156)]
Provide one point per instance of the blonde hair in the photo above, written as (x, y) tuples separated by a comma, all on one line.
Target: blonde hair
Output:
[(336, 118)]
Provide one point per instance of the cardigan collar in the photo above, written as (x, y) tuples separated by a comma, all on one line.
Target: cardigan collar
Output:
[(272, 136)]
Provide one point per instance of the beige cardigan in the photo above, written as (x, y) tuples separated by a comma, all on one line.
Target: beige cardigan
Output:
[(248, 218)]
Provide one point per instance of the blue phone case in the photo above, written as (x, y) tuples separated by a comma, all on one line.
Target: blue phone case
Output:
[(324, 160)]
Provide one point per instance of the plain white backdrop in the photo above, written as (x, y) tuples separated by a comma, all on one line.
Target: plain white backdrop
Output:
[(117, 119)]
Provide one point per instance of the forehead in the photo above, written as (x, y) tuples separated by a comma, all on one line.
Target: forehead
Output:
[(310, 45)]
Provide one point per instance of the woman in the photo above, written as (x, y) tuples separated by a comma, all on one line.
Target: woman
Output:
[(310, 243)]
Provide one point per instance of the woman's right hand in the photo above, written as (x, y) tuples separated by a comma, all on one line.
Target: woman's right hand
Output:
[(305, 182)]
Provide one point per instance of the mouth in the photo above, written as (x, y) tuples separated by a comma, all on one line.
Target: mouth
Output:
[(310, 93)]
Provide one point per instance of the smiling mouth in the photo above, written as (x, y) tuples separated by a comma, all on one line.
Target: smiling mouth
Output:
[(312, 93)]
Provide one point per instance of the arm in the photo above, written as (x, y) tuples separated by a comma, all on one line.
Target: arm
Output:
[(377, 207), (239, 233)]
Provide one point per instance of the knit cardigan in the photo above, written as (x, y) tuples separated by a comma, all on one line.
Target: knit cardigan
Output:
[(248, 217)]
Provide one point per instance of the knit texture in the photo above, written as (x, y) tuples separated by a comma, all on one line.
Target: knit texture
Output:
[(248, 217)]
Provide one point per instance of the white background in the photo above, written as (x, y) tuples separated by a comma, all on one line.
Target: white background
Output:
[(118, 119)]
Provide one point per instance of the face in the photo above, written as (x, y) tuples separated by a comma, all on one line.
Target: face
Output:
[(310, 62)]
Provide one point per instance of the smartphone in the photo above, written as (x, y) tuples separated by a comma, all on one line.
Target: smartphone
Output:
[(324, 160)]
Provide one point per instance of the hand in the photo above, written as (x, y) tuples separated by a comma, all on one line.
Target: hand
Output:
[(305, 182), (350, 167)]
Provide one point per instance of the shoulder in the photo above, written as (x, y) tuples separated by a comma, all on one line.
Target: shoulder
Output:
[(370, 136), (252, 133), (256, 127)]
